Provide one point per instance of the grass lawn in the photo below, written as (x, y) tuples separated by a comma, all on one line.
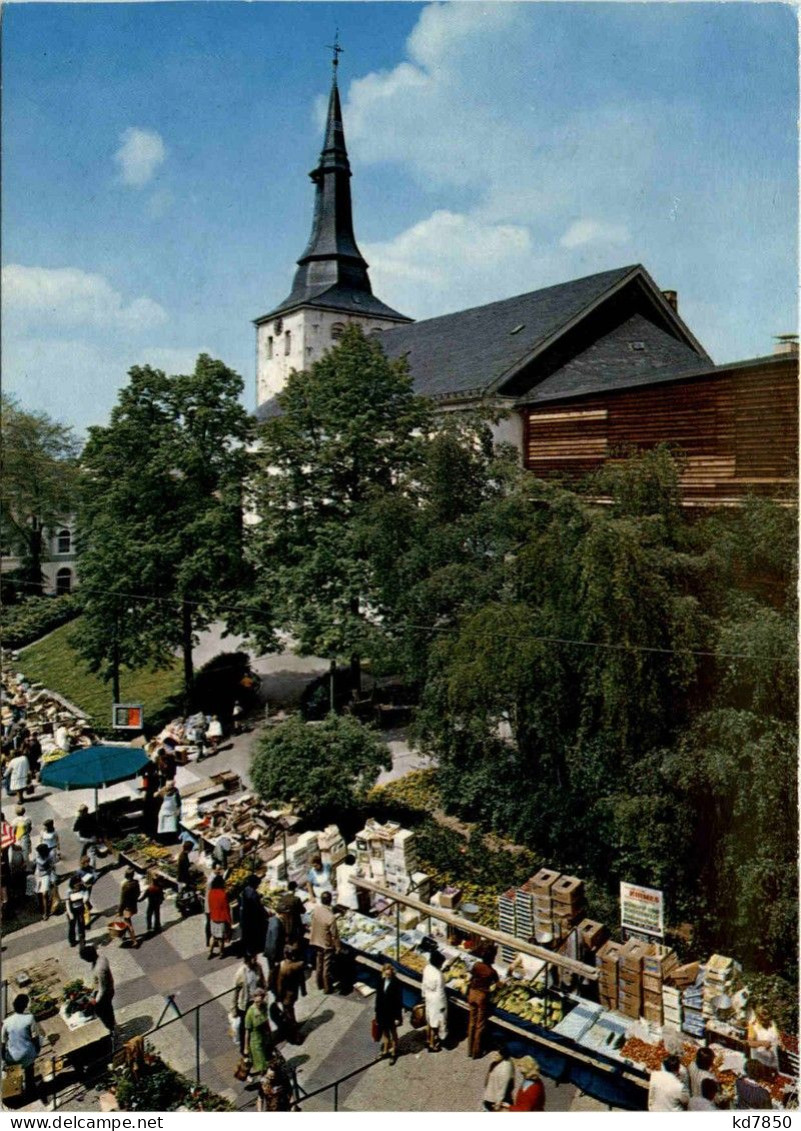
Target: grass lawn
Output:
[(55, 663)]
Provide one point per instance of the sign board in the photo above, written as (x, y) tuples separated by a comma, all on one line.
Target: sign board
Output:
[(127, 716), (642, 910)]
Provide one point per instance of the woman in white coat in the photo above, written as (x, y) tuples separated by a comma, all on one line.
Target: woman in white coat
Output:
[(435, 1000), (18, 774), (169, 814)]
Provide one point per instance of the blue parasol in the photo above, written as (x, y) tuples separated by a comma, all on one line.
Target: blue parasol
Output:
[(94, 767)]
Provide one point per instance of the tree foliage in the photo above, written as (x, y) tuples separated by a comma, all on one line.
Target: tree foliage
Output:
[(38, 468), (326, 769), (160, 518)]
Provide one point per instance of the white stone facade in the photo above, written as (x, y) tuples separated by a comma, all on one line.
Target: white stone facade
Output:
[(297, 340), (60, 565)]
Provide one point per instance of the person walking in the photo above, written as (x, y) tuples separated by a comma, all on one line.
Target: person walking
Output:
[(130, 894), (102, 988), (388, 1012), (324, 938), (184, 870), (75, 910), (18, 775), (250, 977), (22, 832), (20, 1041), (154, 897), (274, 948), (219, 916), (88, 833), (482, 978), (236, 717), (256, 1028), (435, 1000), (499, 1082), (50, 838), (290, 908), (44, 872), (252, 917), (531, 1093), (290, 984), (214, 733)]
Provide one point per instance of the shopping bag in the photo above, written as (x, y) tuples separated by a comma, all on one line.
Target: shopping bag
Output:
[(234, 1024), (375, 1030), (242, 1070), (87, 915), (418, 1016)]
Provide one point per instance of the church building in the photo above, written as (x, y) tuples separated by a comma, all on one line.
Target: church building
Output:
[(582, 371)]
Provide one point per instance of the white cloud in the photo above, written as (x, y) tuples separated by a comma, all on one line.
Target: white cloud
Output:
[(139, 155), (582, 232), (68, 296)]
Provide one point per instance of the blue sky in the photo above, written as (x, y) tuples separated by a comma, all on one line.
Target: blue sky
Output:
[(155, 190)]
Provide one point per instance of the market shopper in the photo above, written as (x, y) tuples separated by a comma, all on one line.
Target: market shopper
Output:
[(666, 1091), (20, 1041), (274, 948), (257, 1036), (290, 984), (103, 987), (75, 910), (18, 776), (88, 833), (252, 917), (290, 908), (324, 939), (219, 916), (482, 978), (435, 1000), (214, 733), (388, 1012), (499, 1082), (154, 898), (130, 895), (700, 1070), (49, 837), (184, 866), (250, 979), (22, 831), (531, 1093), (44, 872)]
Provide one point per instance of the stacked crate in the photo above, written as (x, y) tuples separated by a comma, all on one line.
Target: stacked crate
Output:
[(567, 895), (524, 911), (507, 921), (718, 979), (607, 960), (629, 990), (655, 968), (592, 934), (541, 886), (671, 1005)]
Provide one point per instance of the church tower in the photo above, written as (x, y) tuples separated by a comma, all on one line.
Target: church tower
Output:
[(331, 286)]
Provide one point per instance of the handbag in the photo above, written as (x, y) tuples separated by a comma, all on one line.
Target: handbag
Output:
[(242, 1070), (417, 1016), (374, 1029)]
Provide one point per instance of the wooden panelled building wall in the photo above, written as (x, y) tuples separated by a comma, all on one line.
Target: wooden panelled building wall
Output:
[(737, 429)]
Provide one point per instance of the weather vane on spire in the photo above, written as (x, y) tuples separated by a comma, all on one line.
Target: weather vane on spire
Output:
[(336, 49)]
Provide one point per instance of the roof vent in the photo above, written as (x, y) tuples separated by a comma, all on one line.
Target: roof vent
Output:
[(672, 299), (517, 329), (638, 347), (786, 344)]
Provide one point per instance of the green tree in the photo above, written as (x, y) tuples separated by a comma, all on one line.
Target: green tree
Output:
[(326, 769), (350, 431), (38, 467), (160, 520)]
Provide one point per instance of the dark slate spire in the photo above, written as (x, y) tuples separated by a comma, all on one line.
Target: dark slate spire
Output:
[(332, 271)]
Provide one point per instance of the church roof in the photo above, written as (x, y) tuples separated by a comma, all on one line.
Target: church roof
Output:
[(478, 350), (332, 273)]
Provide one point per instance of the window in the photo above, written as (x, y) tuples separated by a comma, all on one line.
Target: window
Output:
[(63, 581), (376, 330), (64, 543), (288, 342), (270, 348), (337, 330)]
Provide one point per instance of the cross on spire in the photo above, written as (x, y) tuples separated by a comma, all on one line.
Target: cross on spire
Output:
[(337, 51)]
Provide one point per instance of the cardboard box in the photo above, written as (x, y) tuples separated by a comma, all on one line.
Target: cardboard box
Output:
[(544, 880), (592, 933), (661, 962), (609, 955), (684, 975), (649, 982), (450, 898), (632, 954)]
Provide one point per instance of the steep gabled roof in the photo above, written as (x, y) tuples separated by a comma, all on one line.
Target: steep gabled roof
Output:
[(481, 349)]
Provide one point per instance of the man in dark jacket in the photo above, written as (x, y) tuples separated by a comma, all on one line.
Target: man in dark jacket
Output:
[(388, 1011), (274, 948)]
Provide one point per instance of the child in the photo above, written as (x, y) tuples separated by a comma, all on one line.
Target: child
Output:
[(50, 838), (154, 894), (75, 908)]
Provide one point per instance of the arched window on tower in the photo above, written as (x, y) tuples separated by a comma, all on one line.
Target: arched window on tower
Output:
[(63, 581), (337, 330), (63, 542), (288, 342)]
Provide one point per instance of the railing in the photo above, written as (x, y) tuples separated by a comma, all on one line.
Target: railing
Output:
[(334, 1085)]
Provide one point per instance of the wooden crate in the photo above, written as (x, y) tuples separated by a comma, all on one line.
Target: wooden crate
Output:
[(544, 880), (632, 954), (592, 933)]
